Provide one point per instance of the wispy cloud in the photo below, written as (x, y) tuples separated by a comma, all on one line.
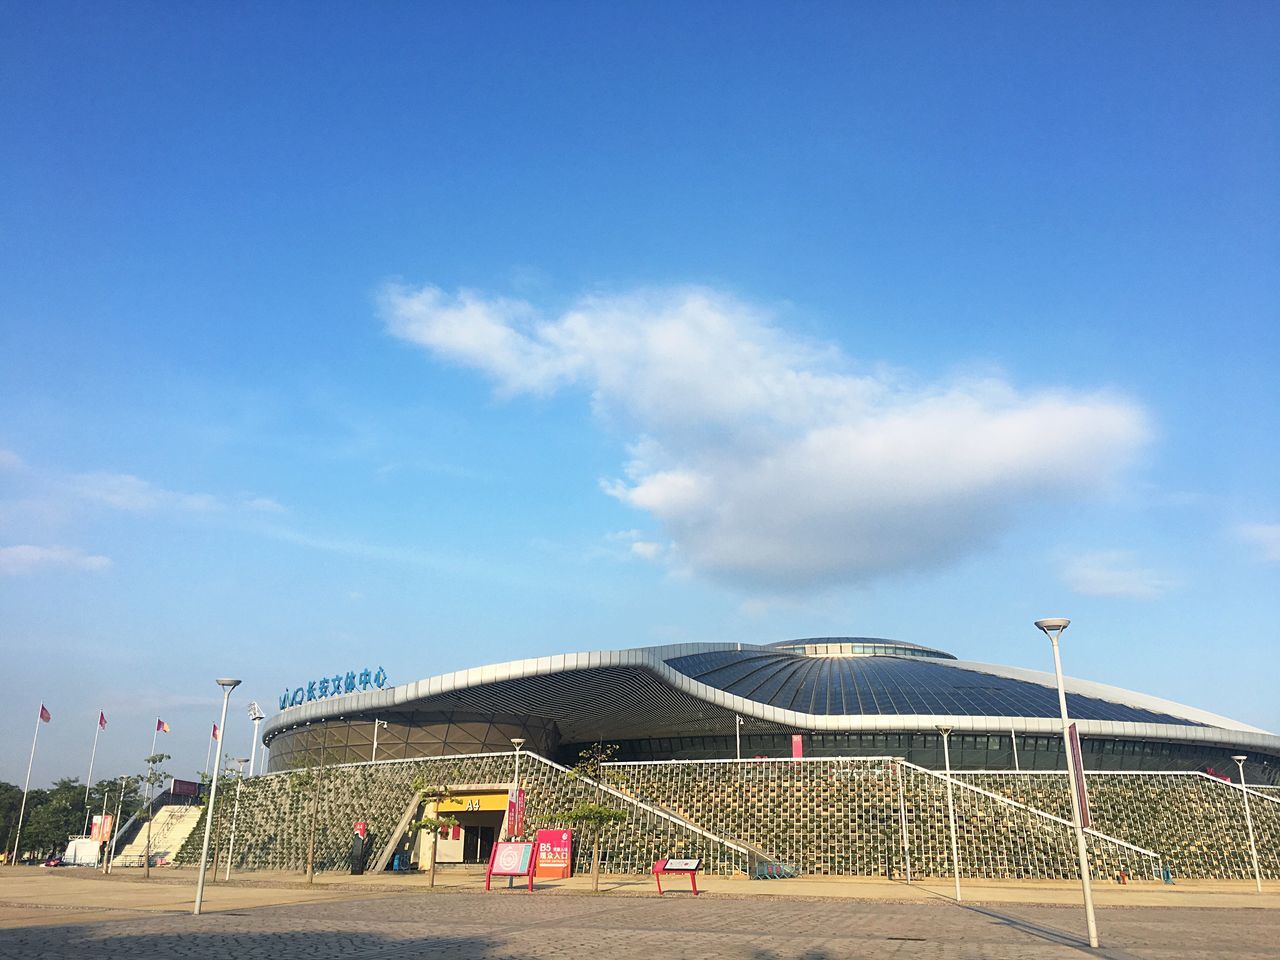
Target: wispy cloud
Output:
[(777, 464), (1264, 536), (1115, 573), (124, 491), (10, 460), (26, 559)]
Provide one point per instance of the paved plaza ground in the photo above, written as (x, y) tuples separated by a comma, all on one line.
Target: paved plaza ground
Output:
[(67, 913)]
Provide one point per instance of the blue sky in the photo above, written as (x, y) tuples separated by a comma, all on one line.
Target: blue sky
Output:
[(429, 336)]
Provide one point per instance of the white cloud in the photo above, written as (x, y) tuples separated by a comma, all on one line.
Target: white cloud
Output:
[(647, 549), (1264, 536), (10, 460), (124, 491), (1114, 573), (132, 494), (775, 463), (25, 558)]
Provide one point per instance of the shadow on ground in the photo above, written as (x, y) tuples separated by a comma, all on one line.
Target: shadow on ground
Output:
[(54, 943)]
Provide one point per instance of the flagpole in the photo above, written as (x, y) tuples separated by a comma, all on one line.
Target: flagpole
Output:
[(208, 752), (155, 733), (97, 729), (25, 787)]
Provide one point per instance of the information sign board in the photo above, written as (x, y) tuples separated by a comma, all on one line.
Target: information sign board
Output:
[(511, 860), (555, 854)]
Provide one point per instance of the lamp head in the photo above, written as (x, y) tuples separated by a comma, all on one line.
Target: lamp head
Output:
[(1240, 758), (1053, 626), (227, 683), (242, 760), (255, 711), (945, 730), (517, 742)]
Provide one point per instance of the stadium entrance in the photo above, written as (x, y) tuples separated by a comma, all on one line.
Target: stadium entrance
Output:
[(479, 816)]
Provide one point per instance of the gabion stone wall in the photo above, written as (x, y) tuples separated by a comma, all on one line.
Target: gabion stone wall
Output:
[(1195, 822), (846, 817), (274, 813)]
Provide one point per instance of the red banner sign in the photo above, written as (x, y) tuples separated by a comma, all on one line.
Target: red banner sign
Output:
[(101, 829), (555, 854), (515, 814), (1077, 761), (797, 746)]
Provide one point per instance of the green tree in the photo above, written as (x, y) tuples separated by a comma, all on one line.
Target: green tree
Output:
[(53, 816), (592, 818), (431, 797), (153, 778)]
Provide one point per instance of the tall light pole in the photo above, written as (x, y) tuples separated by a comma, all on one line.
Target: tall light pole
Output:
[(256, 715), (227, 685), (115, 829), (235, 812), (1248, 819), (737, 735), (518, 743), (373, 758), (951, 808), (1052, 628)]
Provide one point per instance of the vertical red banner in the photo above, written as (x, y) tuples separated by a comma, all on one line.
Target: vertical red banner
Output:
[(797, 746), (1077, 761), (515, 814)]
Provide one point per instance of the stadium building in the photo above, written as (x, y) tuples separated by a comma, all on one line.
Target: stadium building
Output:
[(843, 696)]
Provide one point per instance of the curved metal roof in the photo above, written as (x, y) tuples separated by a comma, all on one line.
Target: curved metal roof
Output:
[(883, 684), (686, 689)]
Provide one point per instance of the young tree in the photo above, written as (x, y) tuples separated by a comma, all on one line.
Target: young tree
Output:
[(306, 779), (152, 778), (592, 818), (431, 797)]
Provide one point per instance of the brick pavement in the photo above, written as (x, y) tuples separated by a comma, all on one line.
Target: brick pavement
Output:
[(514, 925)]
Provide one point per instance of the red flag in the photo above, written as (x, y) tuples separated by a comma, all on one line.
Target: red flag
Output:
[(161, 726), (215, 732), (45, 716), (102, 720)]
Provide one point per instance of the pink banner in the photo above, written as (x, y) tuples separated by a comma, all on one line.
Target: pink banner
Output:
[(797, 746), (555, 854)]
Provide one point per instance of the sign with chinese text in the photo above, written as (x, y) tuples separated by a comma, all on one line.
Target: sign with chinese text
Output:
[(555, 854), (674, 865), (515, 814), (334, 686)]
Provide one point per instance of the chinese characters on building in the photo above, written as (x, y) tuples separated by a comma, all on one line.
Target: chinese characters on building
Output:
[(334, 686)]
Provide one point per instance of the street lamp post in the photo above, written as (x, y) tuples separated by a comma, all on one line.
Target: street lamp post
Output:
[(1052, 628), (376, 724), (235, 813), (518, 743), (737, 735), (227, 685), (951, 809), (256, 715), (1248, 819), (514, 809)]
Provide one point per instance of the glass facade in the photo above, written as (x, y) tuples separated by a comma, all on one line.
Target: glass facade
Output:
[(969, 751), (404, 736)]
